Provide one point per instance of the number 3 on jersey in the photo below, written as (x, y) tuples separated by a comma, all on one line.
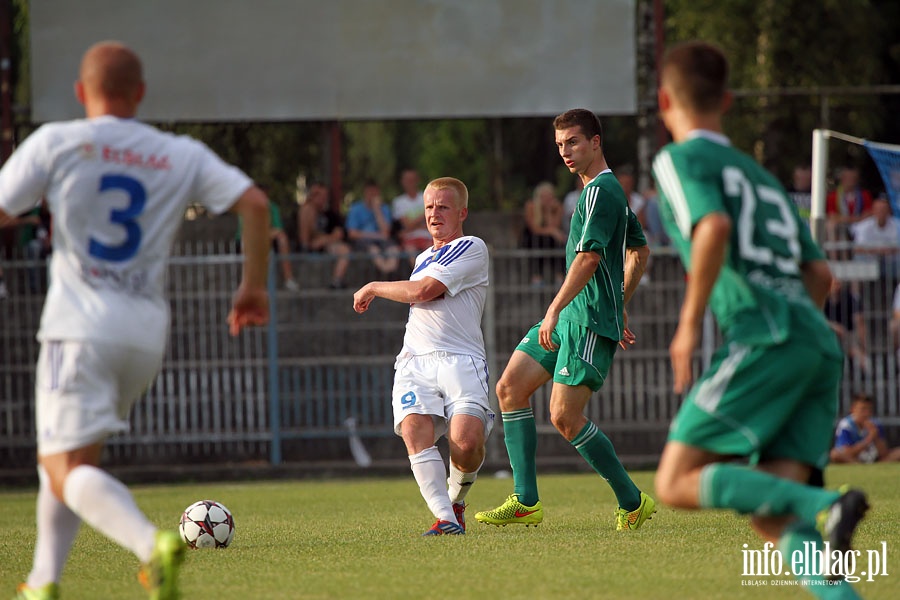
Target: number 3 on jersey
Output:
[(782, 226), (125, 218)]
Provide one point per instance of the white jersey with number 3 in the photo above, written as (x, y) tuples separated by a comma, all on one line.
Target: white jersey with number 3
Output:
[(451, 322), (117, 190)]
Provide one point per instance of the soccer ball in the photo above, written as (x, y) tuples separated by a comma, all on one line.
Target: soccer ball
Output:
[(207, 524)]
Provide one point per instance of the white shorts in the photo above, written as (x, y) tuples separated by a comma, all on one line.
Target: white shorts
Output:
[(441, 385), (85, 390)]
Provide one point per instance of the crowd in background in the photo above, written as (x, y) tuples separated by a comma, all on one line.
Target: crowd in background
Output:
[(860, 226), (860, 231)]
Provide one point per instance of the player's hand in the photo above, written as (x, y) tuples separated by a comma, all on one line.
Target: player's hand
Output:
[(627, 339), (681, 351), (362, 299), (249, 306), (628, 336), (545, 333)]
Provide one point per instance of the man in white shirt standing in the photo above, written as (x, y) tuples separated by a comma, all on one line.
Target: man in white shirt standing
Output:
[(441, 375), (878, 238), (117, 190), (406, 209)]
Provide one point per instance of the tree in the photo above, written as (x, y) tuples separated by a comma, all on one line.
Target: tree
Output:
[(795, 44)]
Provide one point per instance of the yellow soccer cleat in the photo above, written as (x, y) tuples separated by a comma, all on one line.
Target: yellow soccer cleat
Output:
[(45, 592), (627, 521), (160, 575), (512, 511)]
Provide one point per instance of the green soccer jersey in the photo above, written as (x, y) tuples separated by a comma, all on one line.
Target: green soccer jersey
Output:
[(759, 297), (602, 223)]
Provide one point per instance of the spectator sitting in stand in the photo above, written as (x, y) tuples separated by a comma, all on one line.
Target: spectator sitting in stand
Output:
[(653, 227), (860, 437), (543, 231), (369, 228), (320, 229), (800, 190), (280, 243), (845, 205), (637, 203), (409, 215), (570, 202), (878, 238)]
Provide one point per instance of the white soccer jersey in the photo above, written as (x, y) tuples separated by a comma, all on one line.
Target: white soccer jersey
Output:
[(117, 190), (452, 322)]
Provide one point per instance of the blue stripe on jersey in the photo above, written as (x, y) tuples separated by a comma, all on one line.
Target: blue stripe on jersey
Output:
[(664, 169), (435, 256), (457, 251)]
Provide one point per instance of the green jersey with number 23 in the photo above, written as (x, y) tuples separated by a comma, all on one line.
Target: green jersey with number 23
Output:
[(759, 296)]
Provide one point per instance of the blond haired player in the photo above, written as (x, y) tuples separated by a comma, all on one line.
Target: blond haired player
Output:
[(441, 379)]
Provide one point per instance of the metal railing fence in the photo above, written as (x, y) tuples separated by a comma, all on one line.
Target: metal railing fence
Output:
[(285, 393)]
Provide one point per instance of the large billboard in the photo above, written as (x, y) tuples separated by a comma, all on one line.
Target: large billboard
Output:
[(273, 60)]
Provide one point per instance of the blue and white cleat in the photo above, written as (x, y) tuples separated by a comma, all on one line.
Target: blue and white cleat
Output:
[(445, 528)]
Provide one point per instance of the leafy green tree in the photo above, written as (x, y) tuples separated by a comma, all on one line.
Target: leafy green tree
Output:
[(796, 44), (369, 154)]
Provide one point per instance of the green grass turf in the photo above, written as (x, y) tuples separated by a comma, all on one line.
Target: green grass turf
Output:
[(361, 539)]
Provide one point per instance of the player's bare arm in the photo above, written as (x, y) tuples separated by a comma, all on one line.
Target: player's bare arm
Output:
[(817, 278), (580, 272), (407, 292), (636, 258), (635, 264), (709, 244), (250, 305)]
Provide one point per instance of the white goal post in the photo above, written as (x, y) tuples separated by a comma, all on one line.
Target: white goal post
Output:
[(886, 157)]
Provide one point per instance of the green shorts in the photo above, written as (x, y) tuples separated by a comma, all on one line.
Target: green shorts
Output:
[(583, 357), (764, 402)]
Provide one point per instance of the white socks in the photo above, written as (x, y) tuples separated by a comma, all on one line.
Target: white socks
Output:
[(460, 483), (57, 527), (431, 475), (104, 503)]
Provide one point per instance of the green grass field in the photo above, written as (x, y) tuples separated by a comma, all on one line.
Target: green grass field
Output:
[(361, 539)]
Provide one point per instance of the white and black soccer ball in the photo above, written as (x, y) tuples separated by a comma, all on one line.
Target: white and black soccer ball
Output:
[(207, 524)]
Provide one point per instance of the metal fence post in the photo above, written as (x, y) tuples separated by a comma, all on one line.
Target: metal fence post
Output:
[(272, 362), (494, 448)]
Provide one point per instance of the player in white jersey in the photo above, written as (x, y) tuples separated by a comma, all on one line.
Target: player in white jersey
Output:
[(441, 375), (117, 190)]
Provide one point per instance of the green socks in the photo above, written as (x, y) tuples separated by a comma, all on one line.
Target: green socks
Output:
[(749, 491), (520, 435), (598, 451), (521, 445)]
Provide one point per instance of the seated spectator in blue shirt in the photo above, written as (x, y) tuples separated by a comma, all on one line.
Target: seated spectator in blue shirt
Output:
[(860, 437), (369, 229)]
